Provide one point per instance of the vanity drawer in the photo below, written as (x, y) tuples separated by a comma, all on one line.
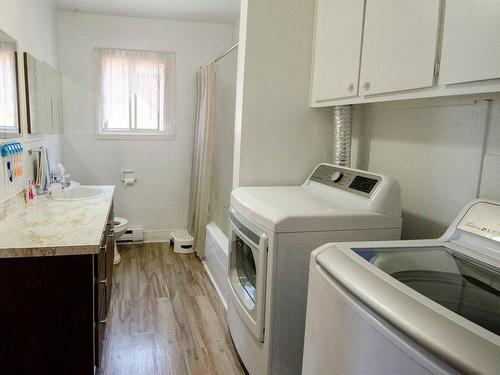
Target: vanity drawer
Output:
[(100, 332), (101, 261), (109, 265), (101, 299), (104, 251), (104, 286), (101, 307), (105, 272)]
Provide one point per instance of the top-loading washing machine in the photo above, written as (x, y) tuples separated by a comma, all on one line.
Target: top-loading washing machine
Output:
[(272, 233), (408, 307)]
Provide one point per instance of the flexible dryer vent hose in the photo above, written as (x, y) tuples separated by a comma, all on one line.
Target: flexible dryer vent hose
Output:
[(342, 135)]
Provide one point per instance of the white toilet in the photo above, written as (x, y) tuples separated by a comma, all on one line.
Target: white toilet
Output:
[(120, 227)]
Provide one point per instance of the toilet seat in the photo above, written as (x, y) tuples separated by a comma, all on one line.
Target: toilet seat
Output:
[(120, 225)]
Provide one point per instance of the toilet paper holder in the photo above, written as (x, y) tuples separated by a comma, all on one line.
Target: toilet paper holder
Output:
[(128, 177)]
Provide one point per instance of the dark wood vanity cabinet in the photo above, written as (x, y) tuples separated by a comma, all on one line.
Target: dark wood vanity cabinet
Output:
[(103, 285), (54, 310)]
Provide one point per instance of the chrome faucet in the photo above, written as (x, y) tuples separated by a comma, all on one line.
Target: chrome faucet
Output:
[(64, 180)]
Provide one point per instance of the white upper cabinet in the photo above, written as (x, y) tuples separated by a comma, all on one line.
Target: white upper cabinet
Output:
[(378, 50), (471, 41), (337, 49), (399, 45)]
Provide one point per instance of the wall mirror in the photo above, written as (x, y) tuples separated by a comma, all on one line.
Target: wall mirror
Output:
[(9, 90), (43, 97)]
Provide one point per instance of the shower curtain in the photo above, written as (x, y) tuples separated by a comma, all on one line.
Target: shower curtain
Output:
[(202, 158)]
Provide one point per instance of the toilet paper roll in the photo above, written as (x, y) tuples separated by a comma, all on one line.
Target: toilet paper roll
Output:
[(129, 180)]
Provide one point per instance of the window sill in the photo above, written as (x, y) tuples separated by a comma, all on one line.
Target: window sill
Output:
[(135, 136), (13, 135)]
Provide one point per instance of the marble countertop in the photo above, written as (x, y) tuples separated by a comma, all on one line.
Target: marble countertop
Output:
[(48, 227)]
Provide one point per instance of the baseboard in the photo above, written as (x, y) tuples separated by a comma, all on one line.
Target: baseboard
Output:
[(160, 235), (222, 298)]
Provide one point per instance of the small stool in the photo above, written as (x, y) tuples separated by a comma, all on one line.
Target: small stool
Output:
[(182, 241)]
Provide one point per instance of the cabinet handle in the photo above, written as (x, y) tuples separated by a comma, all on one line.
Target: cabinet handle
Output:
[(105, 282), (350, 87), (366, 86), (104, 321)]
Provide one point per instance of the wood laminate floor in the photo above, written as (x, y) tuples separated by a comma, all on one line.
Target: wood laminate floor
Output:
[(166, 317)]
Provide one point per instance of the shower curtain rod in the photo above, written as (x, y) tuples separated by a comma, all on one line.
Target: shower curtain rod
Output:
[(227, 52)]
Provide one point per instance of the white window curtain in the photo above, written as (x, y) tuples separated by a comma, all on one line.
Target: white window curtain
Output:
[(8, 87), (202, 160), (135, 91)]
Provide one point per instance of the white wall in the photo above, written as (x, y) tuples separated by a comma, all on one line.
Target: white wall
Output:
[(33, 23), (435, 148), (490, 182), (236, 32), (278, 138), (158, 202)]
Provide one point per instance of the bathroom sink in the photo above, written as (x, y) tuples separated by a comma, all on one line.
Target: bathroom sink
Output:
[(76, 193)]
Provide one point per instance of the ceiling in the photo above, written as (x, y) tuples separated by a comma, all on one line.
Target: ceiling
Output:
[(220, 11)]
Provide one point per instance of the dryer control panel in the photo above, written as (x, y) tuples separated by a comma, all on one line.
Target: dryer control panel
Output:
[(346, 179)]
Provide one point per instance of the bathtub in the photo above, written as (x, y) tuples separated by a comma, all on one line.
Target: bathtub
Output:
[(216, 260)]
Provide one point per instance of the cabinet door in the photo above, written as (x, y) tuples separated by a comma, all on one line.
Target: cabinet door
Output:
[(337, 47), (399, 45), (471, 41), (110, 249)]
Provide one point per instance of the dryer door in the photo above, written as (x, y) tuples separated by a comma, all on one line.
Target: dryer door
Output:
[(247, 273)]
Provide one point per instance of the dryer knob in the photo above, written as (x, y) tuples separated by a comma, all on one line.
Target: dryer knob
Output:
[(337, 176)]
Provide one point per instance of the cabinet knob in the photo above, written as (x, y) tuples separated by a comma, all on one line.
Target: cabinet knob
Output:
[(350, 87), (104, 321), (105, 282), (366, 86)]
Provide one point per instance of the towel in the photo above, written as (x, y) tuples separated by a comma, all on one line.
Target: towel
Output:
[(42, 170)]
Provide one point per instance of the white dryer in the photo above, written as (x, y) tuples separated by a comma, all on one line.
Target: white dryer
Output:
[(272, 233), (408, 307)]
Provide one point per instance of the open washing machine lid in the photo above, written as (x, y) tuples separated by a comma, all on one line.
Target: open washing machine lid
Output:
[(444, 294), (332, 198)]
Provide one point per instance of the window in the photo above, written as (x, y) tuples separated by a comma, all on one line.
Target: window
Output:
[(135, 92), (8, 88)]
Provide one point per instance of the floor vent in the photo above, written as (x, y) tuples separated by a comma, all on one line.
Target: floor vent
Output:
[(182, 241)]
